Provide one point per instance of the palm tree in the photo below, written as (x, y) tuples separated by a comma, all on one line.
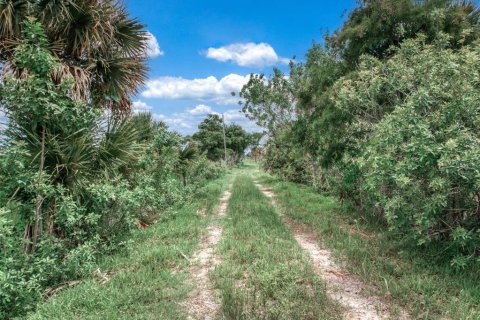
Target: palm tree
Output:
[(95, 40), (68, 141), (185, 156)]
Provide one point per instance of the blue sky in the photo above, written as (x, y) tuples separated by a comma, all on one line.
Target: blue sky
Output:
[(200, 51)]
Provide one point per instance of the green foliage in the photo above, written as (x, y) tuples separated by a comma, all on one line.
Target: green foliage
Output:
[(18, 287), (210, 139), (285, 158), (95, 43), (75, 183), (377, 25), (237, 140), (268, 101), (185, 158), (14, 170), (320, 125), (421, 161), (385, 116), (147, 278)]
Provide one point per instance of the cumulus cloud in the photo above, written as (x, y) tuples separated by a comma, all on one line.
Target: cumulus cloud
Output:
[(187, 122), (153, 48), (203, 89), (249, 54)]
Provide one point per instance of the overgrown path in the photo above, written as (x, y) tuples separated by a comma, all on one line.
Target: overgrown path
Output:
[(201, 303), (258, 253), (269, 267), (263, 273), (341, 286)]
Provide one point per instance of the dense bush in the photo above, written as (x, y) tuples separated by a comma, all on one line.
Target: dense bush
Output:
[(386, 116), (284, 158), (375, 26), (421, 159), (75, 181)]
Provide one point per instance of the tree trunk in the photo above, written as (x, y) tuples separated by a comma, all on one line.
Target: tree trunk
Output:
[(50, 218), (39, 200)]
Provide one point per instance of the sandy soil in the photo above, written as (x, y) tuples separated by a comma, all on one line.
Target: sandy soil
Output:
[(201, 303)]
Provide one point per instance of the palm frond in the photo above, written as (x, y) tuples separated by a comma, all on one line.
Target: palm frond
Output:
[(81, 80), (188, 153), (87, 28), (129, 34), (118, 145), (54, 13), (12, 13), (69, 159), (96, 42), (117, 78)]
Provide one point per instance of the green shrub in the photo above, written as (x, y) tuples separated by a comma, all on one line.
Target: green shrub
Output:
[(203, 169), (420, 156), (82, 180)]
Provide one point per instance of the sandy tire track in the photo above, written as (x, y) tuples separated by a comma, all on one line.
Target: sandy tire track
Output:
[(341, 286), (201, 303)]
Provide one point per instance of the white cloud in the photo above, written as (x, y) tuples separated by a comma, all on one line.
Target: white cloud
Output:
[(203, 89), (140, 106), (249, 54), (237, 117), (187, 122), (153, 48), (201, 109)]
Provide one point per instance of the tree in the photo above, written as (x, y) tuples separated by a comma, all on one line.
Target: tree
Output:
[(185, 157), (270, 102), (74, 179), (210, 137), (320, 124), (237, 141), (95, 42), (303, 105), (376, 25), (255, 139), (418, 147), (62, 136)]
